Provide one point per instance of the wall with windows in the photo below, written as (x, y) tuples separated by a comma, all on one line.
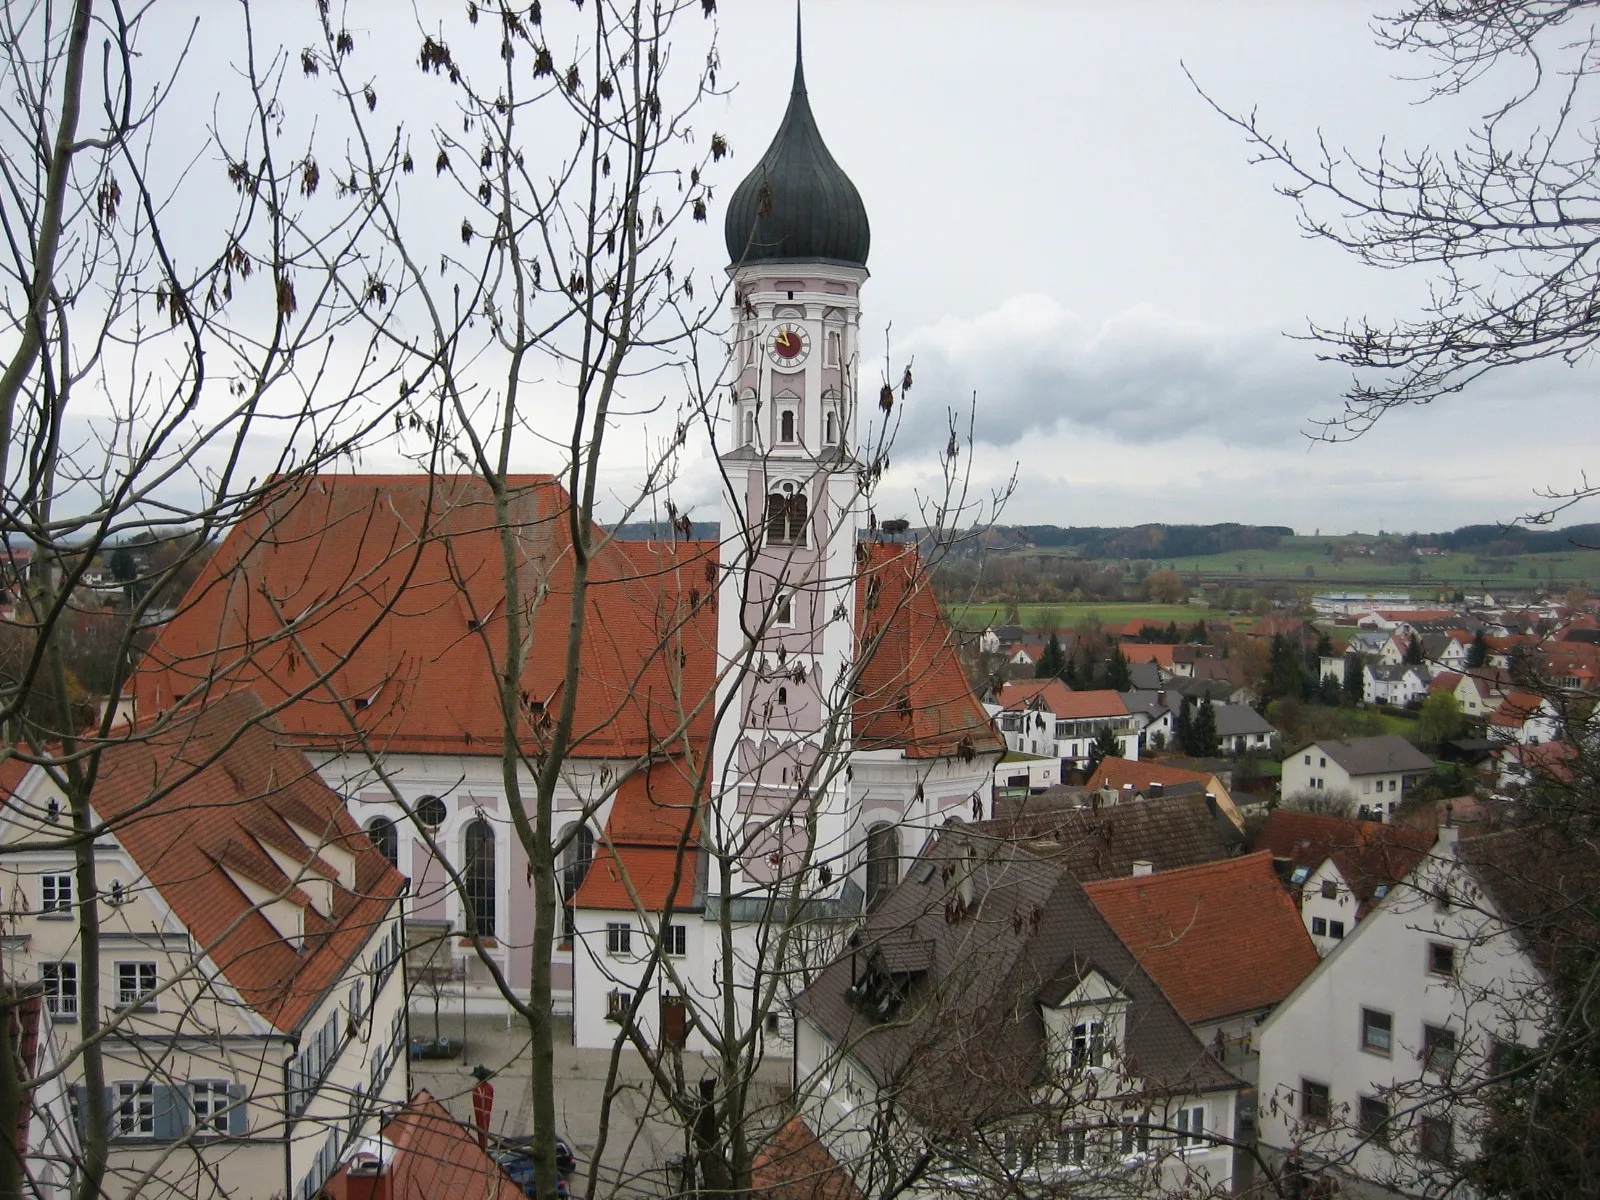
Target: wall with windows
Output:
[(1328, 907), (610, 953), (194, 1064), (1418, 992)]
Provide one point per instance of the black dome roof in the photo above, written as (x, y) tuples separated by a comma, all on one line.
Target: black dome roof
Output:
[(797, 205)]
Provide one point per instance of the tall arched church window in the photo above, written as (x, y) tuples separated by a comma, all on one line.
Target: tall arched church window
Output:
[(748, 432), (830, 434), (786, 516), (835, 342), (575, 860), (786, 425), (382, 832), (478, 876), (883, 861)]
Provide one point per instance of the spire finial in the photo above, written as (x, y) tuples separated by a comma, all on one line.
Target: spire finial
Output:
[(799, 61)]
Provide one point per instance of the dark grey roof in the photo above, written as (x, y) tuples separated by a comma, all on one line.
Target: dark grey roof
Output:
[(1236, 719), (1145, 675), (1104, 842), (798, 204), (1030, 933), (1368, 756)]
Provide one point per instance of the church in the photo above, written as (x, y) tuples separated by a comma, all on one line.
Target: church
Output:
[(765, 724)]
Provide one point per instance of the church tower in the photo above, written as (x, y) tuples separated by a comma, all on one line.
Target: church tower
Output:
[(797, 238)]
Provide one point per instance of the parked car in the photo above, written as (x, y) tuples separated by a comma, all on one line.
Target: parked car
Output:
[(515, 1156)]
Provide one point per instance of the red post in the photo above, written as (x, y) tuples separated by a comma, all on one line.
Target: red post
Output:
[(482, 1107)]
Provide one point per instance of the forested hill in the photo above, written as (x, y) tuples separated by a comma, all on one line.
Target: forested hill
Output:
[(1143, 541)]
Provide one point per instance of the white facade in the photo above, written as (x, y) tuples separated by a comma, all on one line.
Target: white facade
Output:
[(1427, 983), (1312, 769)]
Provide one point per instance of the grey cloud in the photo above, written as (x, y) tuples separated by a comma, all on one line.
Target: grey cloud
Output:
[(1142, 377)]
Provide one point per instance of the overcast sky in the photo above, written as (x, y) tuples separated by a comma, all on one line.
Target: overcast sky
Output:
[(1062, 226)]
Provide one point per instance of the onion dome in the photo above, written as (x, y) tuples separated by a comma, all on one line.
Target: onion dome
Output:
[(797, 205)]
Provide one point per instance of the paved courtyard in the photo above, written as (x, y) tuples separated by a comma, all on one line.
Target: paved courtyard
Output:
[(639, 1145)]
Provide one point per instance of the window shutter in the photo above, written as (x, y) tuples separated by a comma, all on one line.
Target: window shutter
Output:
[(111, 1110), (81, 1111), (172, 1112), (238, 1123)]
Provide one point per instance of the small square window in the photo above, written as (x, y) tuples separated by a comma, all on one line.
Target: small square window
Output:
[(1377, 1031), (1336, 929), (1330, 890), (1308, 760), (677, 940), (1316, 1102), (55, 893), (1393, 784), (1135, 1137), (1322, 762), (1438, 1048), (1072, 1148), (1441, 959), (1435, 1139), (135, 983), (619, 937), (210, 1104), (136, 1110), (1088, 1045), (1372, 1119), (1319, 927)]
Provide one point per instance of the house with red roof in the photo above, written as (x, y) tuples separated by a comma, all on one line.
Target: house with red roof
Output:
[(1223, 940), (248, 928), (1131, 778), (1525, 717), (1337, 868), (1047, 718)]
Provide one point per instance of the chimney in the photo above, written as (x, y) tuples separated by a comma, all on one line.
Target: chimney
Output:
[(1153, 790), (1143, 866), (1449, 838)]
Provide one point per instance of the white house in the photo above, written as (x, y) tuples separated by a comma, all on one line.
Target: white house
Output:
[(1527, 718), (1368, 1064), (1088, 1070), (254, 1014), (1399, 685), (1046, 717), (1375, 770)]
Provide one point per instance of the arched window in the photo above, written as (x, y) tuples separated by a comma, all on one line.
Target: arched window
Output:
[(478, 876), (749, 428), (831, 427), (786, 516), (883, 861), (384, 836), (783, 696), (834, 342), (575, 860), (786, 426)]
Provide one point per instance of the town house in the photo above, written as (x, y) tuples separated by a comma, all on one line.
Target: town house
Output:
[(1374, 771)]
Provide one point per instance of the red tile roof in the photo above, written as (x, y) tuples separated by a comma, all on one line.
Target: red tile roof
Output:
[(1516, 709), (913, 694), (208, 791), (431, 1157), (1114, 772), (401, 575), (1161, 655), (1220, 939), (1367, 854), (650, 869), (375, 603), (1056, 697), (794, 1165)]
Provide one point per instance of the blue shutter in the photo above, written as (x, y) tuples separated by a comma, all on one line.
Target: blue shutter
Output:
[(238, 1123), (111, 1111), (81, 1095), (172, 1112)]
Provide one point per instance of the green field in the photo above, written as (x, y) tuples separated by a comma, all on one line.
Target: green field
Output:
[(1291, 560), (979, 616)]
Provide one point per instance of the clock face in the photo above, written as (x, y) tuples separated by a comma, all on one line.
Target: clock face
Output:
[(788, 345)]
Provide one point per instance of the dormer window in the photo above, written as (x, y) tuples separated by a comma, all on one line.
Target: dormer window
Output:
[(1088, 1044)]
